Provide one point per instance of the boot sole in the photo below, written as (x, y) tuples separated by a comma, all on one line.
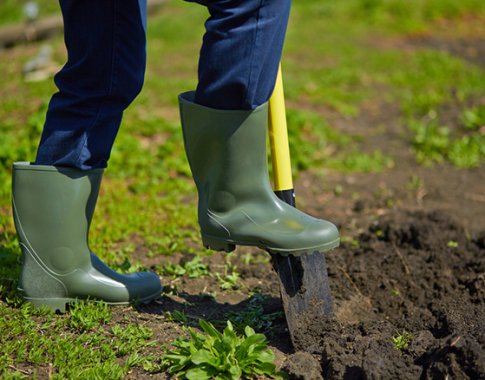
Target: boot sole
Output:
[(59, 304), (217, 244)]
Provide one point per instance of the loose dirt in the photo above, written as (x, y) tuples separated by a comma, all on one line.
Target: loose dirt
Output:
[(413, 272)]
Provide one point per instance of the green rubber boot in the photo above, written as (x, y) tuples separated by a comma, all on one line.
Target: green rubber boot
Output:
[(226, 150), (53, 208)]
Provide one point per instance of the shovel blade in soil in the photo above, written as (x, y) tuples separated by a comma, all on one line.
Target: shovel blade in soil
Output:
[(305, 290)]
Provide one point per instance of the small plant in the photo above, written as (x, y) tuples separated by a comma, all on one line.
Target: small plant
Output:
[(338, 190), (230, 278), (180, 317), (194, 268), (351, 241), (431, 141), (401, 340), (415, 183), (250, 258), (254, 316), (468, 151), (176, 316), (435, 143), (378, 232), (216, 355), (474, 118), (452, 244)]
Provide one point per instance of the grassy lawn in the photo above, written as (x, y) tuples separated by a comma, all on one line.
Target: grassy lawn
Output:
[(344, 62)]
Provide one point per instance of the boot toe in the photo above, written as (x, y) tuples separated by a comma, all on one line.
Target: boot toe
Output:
[(144, 286), (141, 286), (317, 235), (322, 235)]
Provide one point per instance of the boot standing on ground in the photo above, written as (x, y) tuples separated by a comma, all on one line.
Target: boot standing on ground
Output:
[(224, 124)]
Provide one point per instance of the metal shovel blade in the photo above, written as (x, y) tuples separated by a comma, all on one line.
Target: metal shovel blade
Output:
[(305, 290)]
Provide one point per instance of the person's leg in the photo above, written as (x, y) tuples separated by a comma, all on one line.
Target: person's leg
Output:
[(54, 199), (241, 51), (104, 72), (225, 127)]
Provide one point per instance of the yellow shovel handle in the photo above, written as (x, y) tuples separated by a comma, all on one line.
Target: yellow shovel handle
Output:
[(278, 138)]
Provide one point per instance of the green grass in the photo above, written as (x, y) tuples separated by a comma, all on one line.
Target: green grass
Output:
[(341, 59), (349, 67), (12, 11), (463, 146), (79, 344)]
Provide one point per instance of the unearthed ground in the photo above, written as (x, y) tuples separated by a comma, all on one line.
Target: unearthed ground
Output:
[(412, 260), (413, 268)]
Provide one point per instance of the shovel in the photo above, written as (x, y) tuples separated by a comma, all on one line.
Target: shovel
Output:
[(305, 290)]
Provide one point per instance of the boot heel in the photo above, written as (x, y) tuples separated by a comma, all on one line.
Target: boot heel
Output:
[(53, 304), (217, 244)]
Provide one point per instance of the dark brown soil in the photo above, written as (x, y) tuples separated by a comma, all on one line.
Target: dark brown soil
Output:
[(419, 272), (404, 277), (413, 258)]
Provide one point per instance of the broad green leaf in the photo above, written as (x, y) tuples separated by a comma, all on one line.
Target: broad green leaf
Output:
[(266, 356), (224, 356), (235, 372), (209, 329), (204, 356), (198, 373), (248, 343), (265, 368), (248, 331)]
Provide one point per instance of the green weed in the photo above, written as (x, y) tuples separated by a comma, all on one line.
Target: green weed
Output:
[(401, 340), (194, 268), (434, 143), (85, 316), (473, 118), (431, 141), (180, 317), (452, 244), (467, 151), (229, 279), (415, 183), (361, 162), (215, 355), (351, 241), (254, 316), (252, 258)]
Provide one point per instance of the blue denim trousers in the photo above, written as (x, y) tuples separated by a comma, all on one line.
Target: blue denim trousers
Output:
[(106, 45)]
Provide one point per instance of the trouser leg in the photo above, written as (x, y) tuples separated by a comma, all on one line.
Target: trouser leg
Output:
[(104, 72), (241, 51)]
